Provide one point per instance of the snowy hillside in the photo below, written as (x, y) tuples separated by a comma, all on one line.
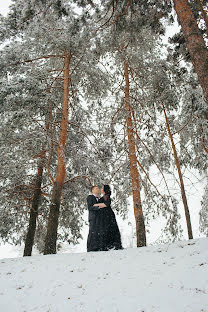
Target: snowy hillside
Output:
[(163, 278)]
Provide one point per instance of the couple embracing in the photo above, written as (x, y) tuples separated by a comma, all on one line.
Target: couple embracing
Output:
[(104, 233)]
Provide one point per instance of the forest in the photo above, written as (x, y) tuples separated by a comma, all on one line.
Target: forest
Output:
[(96, 92)]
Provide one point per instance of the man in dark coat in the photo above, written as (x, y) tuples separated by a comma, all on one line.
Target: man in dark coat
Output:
[(93, 210), (91, 200)]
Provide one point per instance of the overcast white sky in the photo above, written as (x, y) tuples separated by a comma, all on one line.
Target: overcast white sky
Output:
[(4, 4)]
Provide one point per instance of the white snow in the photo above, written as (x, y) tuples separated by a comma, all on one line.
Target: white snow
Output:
[(162, 278)]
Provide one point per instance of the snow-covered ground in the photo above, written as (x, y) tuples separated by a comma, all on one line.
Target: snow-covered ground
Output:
[(162, 278)]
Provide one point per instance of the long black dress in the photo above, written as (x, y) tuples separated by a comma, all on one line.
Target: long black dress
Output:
[(104, 233)]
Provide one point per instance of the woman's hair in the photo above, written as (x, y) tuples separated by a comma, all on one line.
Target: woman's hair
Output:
[(107, 189)]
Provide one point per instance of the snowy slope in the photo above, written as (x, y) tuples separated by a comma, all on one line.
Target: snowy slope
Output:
[(163, 278)]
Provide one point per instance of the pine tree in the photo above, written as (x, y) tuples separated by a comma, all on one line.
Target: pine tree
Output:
[(136, 183), (129, 34), (194, 42), (29, 241), (19, 56)]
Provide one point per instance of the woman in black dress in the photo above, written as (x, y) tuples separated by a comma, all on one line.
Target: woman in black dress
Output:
[(105, 234)]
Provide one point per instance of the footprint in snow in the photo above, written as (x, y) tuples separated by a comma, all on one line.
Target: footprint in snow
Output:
[(191, 244)]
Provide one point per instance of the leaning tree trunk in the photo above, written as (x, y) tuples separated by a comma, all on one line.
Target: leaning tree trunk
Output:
[(194, 42), (183, 193), (34, 210), (52, 227), (136, 189)]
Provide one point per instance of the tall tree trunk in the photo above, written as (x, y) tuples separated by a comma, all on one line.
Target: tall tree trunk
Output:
[(34, 210), (183, 193), (194, 42), (140, 225), (52, 227)]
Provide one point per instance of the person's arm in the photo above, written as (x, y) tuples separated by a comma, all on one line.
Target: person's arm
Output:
[(90, 204), (101, 205)]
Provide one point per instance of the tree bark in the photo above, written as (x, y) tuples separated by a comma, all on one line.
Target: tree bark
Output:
[(34, 210), (52, 227), (183, 193), (194, 42), (136, 189)]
